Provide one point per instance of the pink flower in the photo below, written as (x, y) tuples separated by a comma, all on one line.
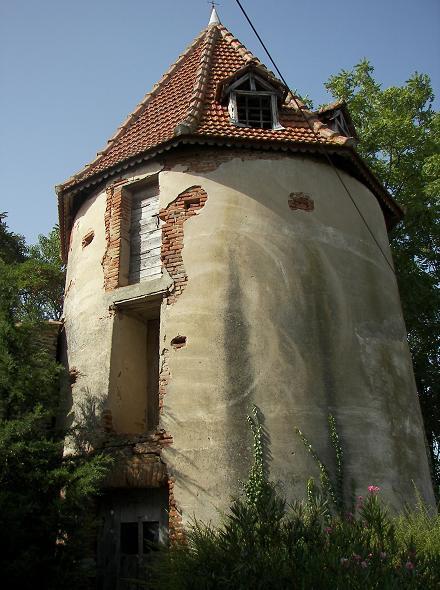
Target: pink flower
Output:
[(350, 516), (409, 565), (364, 564), (373, 489), (328, 530)]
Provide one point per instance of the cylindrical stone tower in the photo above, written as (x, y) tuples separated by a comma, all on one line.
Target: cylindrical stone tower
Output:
[(215, 261)]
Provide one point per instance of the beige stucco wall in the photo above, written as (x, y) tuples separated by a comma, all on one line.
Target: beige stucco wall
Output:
[(294, 311), (127, 400), (87, 319)]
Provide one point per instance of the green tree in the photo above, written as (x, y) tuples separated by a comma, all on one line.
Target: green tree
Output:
[(400, 139), (44, 497)]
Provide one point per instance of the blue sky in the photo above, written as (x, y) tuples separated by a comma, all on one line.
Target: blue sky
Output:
[(72, 71)]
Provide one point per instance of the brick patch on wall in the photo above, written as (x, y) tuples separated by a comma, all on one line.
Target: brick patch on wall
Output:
[(117, 234), (205, 160), (175, 526), (186, 205), (301, 201)]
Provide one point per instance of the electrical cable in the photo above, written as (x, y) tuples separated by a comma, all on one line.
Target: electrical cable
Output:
[(318, 139)]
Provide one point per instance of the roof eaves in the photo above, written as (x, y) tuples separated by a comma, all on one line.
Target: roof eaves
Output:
[(345, 150)]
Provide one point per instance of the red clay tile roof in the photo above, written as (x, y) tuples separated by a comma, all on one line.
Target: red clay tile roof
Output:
[(184, 102), (185, 106)]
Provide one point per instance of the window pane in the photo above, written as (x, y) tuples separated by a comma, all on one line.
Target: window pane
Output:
[(259, 86), (245, 85), (129, 538), (150, 532), (254, 111)]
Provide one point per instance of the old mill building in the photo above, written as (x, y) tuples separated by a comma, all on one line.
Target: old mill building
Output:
[(215, 261)]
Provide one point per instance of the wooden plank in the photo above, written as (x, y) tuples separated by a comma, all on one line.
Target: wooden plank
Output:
[(151, 192), (139, 212), (144, 247), (145, 256), (143, 226), (146, 235), (144, 243), (147, 273)]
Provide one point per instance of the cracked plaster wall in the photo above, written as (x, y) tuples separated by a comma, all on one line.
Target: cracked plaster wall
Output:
[(295, 311)]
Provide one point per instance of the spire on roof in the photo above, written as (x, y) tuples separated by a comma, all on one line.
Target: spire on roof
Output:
[(214, 20)]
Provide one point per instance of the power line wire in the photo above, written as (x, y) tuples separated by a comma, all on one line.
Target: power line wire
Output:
[(318, 139)]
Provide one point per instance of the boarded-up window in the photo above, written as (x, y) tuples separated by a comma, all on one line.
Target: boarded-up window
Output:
[(145, 234)]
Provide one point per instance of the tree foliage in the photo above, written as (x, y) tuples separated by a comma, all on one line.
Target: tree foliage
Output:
[(400, 139), (44, 498)]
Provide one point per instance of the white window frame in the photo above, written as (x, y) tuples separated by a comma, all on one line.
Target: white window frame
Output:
[(269, 91)]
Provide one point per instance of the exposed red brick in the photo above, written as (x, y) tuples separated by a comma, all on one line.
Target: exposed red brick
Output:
[(117, 233), (175, 525), (107, 420), (186, 205), (301, 201)]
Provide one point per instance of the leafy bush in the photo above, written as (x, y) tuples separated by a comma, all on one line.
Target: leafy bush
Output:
[(46, 499), (314, 544), (304, 546)]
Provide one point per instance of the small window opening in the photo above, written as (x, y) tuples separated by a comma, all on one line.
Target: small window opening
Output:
[(191, 203), (338, 123), (88, 238), (178, 342), (139, 538), (150, 536), (129, 538)]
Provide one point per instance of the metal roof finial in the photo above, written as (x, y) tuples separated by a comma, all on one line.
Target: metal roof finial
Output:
[(214, 20)]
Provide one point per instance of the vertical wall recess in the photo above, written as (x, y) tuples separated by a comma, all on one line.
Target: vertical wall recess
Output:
[(117, 234), (134, 374), (186, 205)]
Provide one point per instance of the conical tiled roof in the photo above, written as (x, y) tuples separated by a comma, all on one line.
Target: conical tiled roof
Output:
[(186, 106), (185, 102)]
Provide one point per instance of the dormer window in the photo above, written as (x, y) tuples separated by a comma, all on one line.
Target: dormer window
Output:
[(337, 117), (253, 102), (338, 123)]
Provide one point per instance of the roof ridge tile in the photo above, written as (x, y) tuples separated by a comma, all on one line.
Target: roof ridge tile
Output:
[(192, 118), (134, 115)]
